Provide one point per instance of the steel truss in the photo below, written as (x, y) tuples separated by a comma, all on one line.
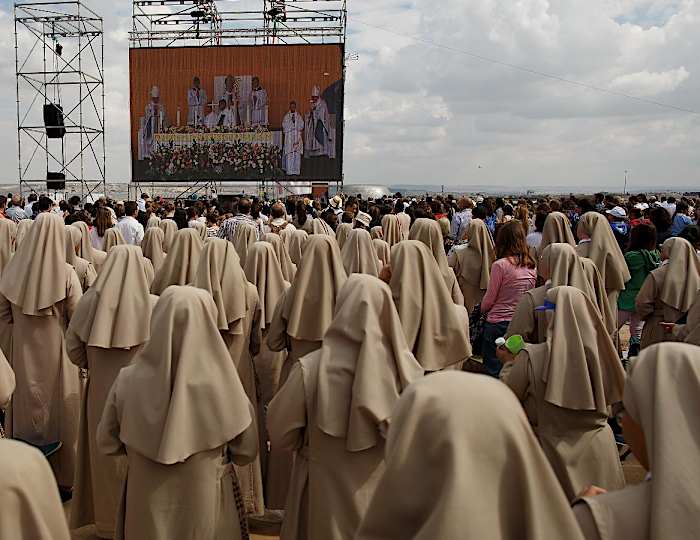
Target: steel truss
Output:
[(59, 56)]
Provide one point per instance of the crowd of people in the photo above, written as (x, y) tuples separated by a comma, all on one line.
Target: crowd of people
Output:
[(397, 368)]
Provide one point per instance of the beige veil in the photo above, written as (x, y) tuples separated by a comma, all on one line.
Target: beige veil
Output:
[(557, 230), (181, 263), (296, 246), (604, 251), (391, 230), (341, 233), (682, 282), (359, 256), (244, 236), (152, 246), (382, 250), (288, 268), (113, 237), (262, 270), (474, 262), (169, 228)]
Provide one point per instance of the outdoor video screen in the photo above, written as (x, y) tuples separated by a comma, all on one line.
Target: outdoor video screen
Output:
[(237, 113)]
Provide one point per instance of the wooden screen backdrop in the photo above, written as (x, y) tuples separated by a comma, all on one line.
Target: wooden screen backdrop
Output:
[(286, 72)]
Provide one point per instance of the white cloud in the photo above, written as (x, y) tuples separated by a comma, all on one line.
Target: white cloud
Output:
[(644, 83)]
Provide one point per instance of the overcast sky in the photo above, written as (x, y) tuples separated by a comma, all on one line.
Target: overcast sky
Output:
[(419, 113)]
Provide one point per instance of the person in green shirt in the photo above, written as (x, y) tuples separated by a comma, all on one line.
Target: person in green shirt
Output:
[(641, 258)]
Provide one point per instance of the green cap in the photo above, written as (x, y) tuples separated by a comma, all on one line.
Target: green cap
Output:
[(515, 344)]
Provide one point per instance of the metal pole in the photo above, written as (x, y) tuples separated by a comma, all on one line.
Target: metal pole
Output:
[(625, 192), (19, 127)]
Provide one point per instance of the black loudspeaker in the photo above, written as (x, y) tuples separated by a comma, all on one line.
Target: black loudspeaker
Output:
[(55, 181), (53, 120)]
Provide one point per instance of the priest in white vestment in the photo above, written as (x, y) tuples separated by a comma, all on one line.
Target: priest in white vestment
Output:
[(293, 127), (222, 117), (155, 121), (232, 98), (259, 101), (318, 136), (196, 101)]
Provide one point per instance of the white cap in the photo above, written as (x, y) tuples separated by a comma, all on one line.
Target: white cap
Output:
[(155, 92), (479, 199), (363, 218), (316, 92), (336, 201), (617, 212)]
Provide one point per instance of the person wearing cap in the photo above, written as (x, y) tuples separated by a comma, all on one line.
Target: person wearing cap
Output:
[(336, 205), (293, 149), (318, 137), (620, 228), (362, 220), (155, 121), (232, 99), (196, 100)]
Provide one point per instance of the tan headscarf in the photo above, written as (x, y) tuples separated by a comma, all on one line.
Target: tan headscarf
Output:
[(663, 396), (115, 313), (437, 330), (220, 273), (582, 370), (474, 262), (152, 246), (296, 246), (243, 237), (181, 263), (391, 230), (600, 297), (153, 221), (377, 233), (691, 328), (23, 227), (359, 256), (319, 226), (113, 237), (604, 251), (201, 229), (441, 424), (557, 230), (428, 232), (169, 228), (8, 233), (86, 250), (363, 367), (289, 269), (286, 236), (682, 282), (8, 382), (184, 380), (341, 234), (31, 507), (263, 271), (309, 303), (560, 265), (35, 278), (383, 250)]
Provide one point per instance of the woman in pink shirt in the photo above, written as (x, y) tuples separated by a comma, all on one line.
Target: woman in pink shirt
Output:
[(512, 275)]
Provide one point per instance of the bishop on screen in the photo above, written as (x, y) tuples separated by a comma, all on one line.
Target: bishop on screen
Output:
[(293, 127), (155, 121), (259, 101), (232, 98), (221, 117), (318, 136), (196, 100)]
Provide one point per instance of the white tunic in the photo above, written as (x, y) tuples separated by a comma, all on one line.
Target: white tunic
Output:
[(196, 101), (293, 126)]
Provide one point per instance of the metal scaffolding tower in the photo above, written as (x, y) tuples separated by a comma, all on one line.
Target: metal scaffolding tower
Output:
[(59, 55)]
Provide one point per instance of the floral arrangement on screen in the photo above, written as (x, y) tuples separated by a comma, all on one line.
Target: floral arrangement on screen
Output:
[(191, 130)]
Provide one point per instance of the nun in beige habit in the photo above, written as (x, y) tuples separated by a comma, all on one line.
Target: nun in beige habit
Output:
[(305, 311), (262, 270), (243, 238), (567, 385), (238, 320), (288, 268), (559, 266), (201, 229), (86, 251), (39, 291), (404, 224), (377, 233), (180, 265), (286, 236), (487, 479), (180, 477), (359, 256), (382, 250), (557, 230), (31, 507), (113, 237), (600, 297), (669, 291), (342, 233), (7, 382), (661, 424), (598, 243), (83, 269), (296, 246), (391, 231), (169, 228), (690, 331), (152, 246), (109, 328), (428, 231), (319, 226), (436, 329), (153, 221), (22, 229), (473, 263), (334, 410), (8, 233)]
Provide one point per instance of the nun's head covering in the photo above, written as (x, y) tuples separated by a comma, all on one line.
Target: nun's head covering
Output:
[(341, 234), (113, 237), (359, 256), (288, 268), (169, 228), (474, 262), (319, 226), (582, 370), (181, 263), (8, 234), (8, 383), (309, 303), (36, 276), (86, 251), (428, 231), (201, 228), (31, 507), (377, 233), (450, 424), (391, 229), (152, 246), (559, 264), (263, 270), (437, 330), (153, 221), (682, 282), (286, 235), (383, 251), (600, 297), (557, 230), (692, 326), (364, 364), (220, 273), (604, 251), (115, 313), (244, 236), (186, 381), (296, 246), (663, 396)]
